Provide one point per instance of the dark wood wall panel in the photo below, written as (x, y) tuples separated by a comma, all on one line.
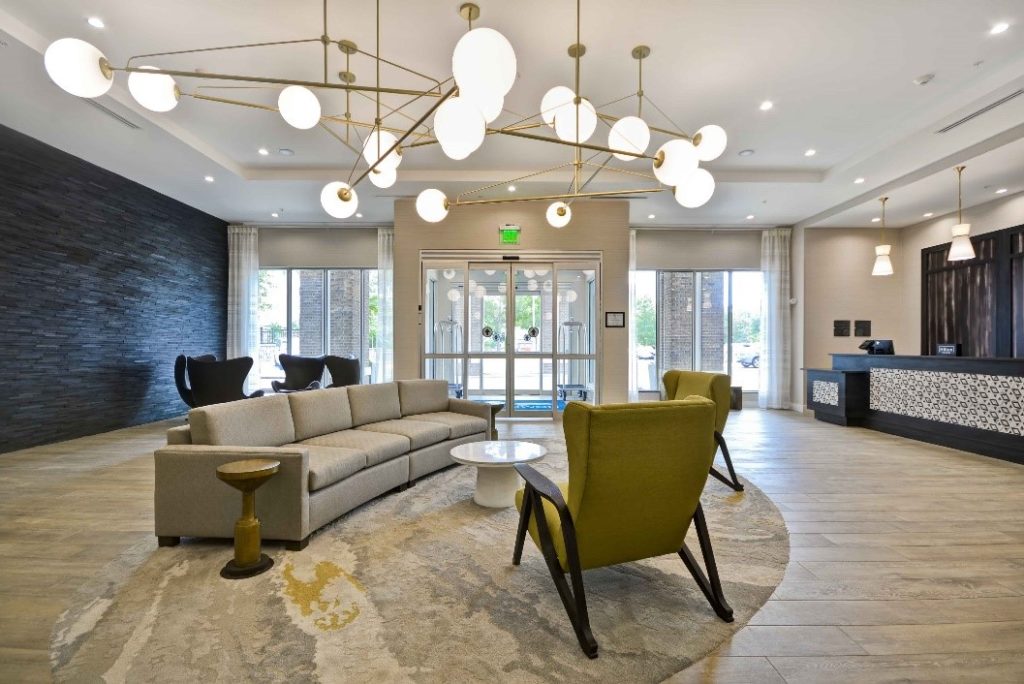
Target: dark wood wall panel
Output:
[(104, 282)]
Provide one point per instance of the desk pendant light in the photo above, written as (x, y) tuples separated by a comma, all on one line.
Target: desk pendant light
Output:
[(961, 249), (883, 264)]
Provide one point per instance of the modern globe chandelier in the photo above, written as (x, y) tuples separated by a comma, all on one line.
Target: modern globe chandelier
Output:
[(483, 71)]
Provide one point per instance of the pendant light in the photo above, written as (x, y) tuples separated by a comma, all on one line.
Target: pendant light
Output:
[(883, 264), (961, 249)]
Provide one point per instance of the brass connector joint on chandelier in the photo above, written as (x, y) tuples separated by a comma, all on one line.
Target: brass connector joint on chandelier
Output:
[(106, 69), (348, 47), (560, 211), (345, 194), (659, 159)]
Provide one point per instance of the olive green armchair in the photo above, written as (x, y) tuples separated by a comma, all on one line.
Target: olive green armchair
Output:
[(636, 473), (714, 386)]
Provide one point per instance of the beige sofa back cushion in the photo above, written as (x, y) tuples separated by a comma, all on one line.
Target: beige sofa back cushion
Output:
[(423, 396), (266, 421), (374, 403), (318, 412)]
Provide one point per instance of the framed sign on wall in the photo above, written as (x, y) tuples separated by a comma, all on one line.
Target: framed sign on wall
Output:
[(615, 319)]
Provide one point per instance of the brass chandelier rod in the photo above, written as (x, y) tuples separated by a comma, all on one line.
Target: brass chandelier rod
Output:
[(881, 234), (959, 194), (513, 180), (565, 196), (580, 145), (222, 47)]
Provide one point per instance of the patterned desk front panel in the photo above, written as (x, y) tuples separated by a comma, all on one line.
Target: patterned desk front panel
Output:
[(985, 402), (823, 392)]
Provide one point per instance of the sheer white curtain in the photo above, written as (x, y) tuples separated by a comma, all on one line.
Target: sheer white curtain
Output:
[(243, 293), (775, 319), (634, 394), (384, 369)]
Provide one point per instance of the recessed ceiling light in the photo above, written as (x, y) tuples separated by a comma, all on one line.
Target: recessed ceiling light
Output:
[(286, 151), (766, 105), (511, 188), (263, 151), (650, 216), (810, 153), (96, 22), (999, 28), (208, 179), (928, 214), (1000, 191), (750, 217), (858, 181), (274, 214), (358, 215), (746, 153), (875, 220)]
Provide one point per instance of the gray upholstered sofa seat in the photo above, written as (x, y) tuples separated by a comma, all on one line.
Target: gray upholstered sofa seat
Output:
[(338, 448)]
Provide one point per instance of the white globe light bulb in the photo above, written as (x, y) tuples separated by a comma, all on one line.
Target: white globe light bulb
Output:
[(378, 143), (531, 285), (565, 121), (502, 288), (155, 92), (484, 62), (571, 296), (454, 295), (696, 189), (559, 214), (299, 107), (383, 178), (448, 273), (675, 161), (78, 67), (547, 285), (711, 142), (432, 205), (631, 134), (459, 127), (557, 97), (333, 203), (490, 105)]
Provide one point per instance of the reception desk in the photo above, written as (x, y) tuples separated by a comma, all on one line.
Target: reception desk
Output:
[(973, 404)]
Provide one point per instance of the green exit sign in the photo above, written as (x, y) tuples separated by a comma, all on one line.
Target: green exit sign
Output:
[(508, 234)]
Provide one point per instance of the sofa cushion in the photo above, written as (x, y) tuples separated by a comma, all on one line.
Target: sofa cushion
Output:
[(374, 403), (458, 424), (420, 434), (379, 447), (328, 465), (423, 396), (264, 421), (318, 412)]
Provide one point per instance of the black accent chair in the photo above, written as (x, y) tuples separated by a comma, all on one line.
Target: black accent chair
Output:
[(217, 382), (344, 371), (180, 376), (300, 373)]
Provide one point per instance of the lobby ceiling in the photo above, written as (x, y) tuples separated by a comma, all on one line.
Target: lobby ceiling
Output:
[(839, 74)]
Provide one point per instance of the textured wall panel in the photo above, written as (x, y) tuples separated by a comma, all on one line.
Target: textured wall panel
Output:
[(102, 283)]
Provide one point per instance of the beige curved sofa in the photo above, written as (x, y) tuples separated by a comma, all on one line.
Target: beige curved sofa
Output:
[(338, 449)]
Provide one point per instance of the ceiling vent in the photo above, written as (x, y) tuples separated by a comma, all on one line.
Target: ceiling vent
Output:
[(983, 110), (113, 115)]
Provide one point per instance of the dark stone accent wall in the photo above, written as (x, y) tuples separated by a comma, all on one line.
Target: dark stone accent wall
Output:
[(102, 283)]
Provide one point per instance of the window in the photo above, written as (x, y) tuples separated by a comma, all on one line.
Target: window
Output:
[(316, 311), (697, 320)]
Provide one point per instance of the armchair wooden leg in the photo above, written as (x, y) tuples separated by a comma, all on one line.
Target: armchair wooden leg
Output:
[(709, 584), (732, 480), (574, 600), (524, 525)]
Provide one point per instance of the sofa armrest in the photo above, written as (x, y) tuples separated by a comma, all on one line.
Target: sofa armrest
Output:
[(190, 501), (179, 435), (473, 408)]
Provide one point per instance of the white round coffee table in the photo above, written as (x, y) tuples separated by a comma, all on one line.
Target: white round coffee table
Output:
[(496, 479)]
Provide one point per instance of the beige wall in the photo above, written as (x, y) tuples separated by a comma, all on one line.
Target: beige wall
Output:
[(1005, 212), (318, 247), (600, 226), (698, 249)]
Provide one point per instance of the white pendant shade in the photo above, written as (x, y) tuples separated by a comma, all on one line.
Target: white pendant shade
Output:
[(299, 107), (484, 62), (459, 127), (961, 249), (74, 65), (557, 97), (378, 143), (155, 92), (883, 264), (559, 214), (566, 120), (383, 178), (696, 189), (334, 205), (490, 106), (678, 161), (432, 205), (629, 133), (712, 142)]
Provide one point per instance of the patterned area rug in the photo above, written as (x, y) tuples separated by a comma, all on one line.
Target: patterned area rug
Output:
[(413, 587)]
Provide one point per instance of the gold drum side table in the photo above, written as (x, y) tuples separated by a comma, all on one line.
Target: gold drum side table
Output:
[(247, 476)]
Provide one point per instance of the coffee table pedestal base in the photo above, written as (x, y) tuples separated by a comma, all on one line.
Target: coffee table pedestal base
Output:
[(496, 487)]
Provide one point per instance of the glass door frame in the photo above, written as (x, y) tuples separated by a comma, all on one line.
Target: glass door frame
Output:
[(467, 260)]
